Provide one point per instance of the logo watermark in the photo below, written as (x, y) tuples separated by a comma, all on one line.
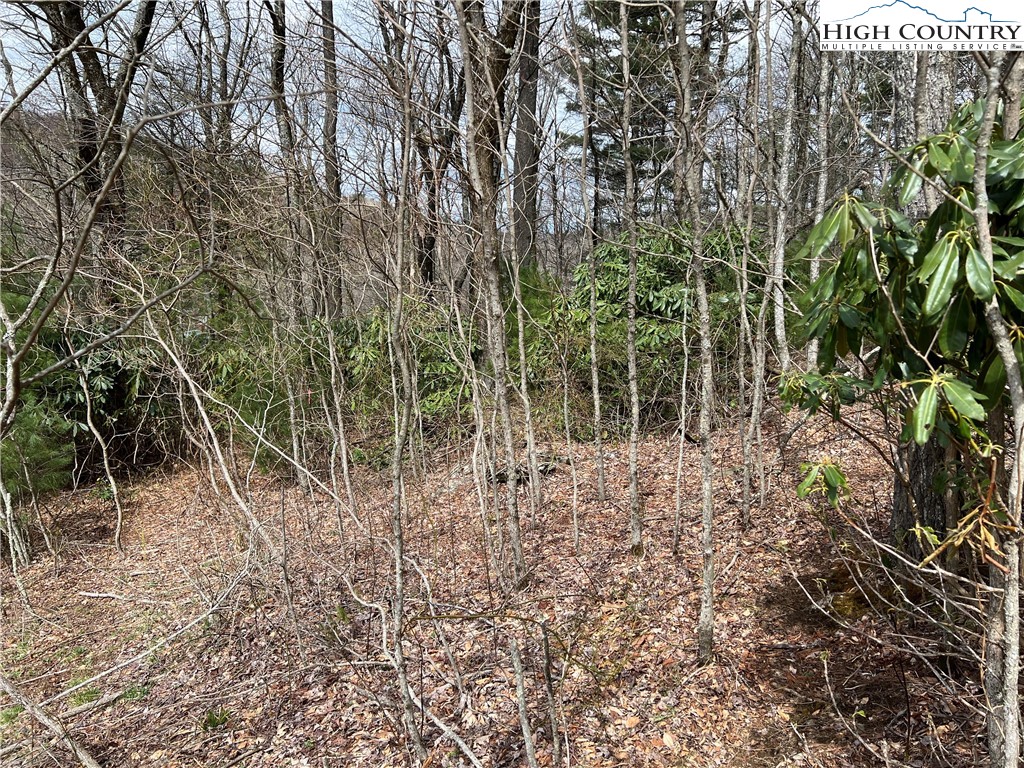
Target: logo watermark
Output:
[(919, 25)]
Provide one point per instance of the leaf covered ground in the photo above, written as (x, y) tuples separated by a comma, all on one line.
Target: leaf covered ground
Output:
[(194, 648)]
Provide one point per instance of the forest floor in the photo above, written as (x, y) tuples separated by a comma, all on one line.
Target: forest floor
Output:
[(189, 650)]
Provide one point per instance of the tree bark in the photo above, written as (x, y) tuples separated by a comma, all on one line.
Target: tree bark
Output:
[(332, 171), (590, 251), (920, 502), (1002, 660), (821, 191), (636, 526), (487, 66), (923, 496), (47, 720), (690, 163), (525, 179), (782, 196)]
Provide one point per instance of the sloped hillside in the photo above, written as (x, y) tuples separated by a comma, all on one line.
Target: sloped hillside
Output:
[(196, 649)]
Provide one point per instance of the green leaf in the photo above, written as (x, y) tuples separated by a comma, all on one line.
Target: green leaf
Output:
[(833, 476), (864, 216), (1013, 295), (979, 274), (963, 170), (842, 341), (1015, 169), (910, 184), (954, 331), (963, 399), (849, 316), (937, 157), (1000, 160), (1016, 204), (823, 234), (845, 226), (1008, 269), (954, 153), (923, 416), (804, 489), (993, 378), (940, 285), (934, 258)]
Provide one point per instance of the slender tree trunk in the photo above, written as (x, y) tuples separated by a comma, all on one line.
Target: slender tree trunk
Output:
[(683, 417), (524, 714), (783, 191), (525, 188), (332, 173), (590, 253), (403, 390), (487, 59), (706, 621), (636, 527), (690, 163), (105, 454), (1002, 659), (536, 492), (821, 145), (749, 172), (920, 495)]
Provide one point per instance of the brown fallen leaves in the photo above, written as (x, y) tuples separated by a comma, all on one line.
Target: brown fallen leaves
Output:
[(293, 673)]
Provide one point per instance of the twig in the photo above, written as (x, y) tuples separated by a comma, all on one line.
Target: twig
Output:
[(884, 755), (114, 596), (243, 756), (54, 725), (213, 608), (524, 714), (81, 709)]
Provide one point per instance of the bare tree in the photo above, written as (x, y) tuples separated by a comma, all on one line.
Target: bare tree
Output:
[(689, 163), (629, 219), (525, 175), (783, 191), (487, 57), (1002, 662)]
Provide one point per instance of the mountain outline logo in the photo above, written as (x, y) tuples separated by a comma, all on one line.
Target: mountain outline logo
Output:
[(920, 25), (912, 7)]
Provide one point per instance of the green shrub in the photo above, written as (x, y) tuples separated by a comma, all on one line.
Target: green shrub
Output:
[(441, 355), (666, 329), (216, 718), (36, 457)]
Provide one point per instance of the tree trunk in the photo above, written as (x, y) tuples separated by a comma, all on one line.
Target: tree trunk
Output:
[(525, 179), (782, 197), (919, 500), (332, 173), (922, 491), (821, 192), (1002, 660), (590, 248), (690, 165), (749, 173), (636, 527), (487, 65)]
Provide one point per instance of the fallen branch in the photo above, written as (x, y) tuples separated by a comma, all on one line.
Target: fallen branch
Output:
[(54, 725), (213, 608), (113, 596), (74, 712)]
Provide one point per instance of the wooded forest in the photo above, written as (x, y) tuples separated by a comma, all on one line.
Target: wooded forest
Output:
[(506, 383)]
